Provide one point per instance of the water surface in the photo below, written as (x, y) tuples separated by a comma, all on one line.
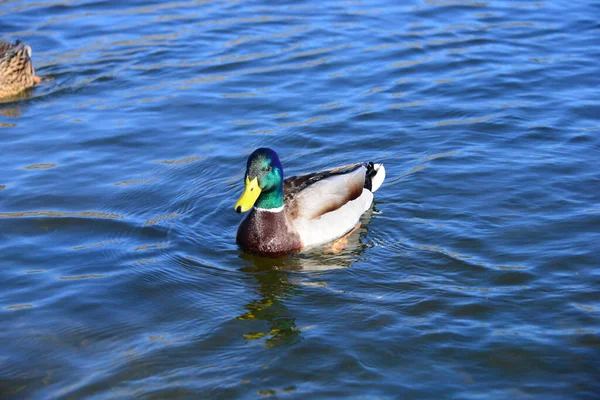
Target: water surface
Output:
[(475, 275)]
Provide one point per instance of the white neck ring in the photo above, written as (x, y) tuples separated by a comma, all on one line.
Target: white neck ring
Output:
[(271, 210)]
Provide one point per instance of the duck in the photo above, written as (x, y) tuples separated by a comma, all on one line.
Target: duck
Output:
[(288, 216), (16, 69)]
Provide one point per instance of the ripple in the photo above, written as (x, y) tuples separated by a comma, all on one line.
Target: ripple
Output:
[(306, 122), (238, 95), (131, 182), (411, 104), (151, 246), (19, 307), (409, 63), (320, 51), (161, 218), (60, 214), (464, 121), (279, 35), (41, 166), (99, 244), (585, 307), (145, 261), (79, 277)]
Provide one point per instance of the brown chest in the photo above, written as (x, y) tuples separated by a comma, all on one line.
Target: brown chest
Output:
[(268, 233)]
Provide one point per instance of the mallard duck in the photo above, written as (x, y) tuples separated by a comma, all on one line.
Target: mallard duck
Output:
[(287, 216), (16, 69)]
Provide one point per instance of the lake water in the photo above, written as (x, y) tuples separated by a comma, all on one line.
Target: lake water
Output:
[(475, 275)]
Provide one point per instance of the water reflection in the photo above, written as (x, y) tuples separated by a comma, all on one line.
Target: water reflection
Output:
[(275, 287), (10, 106), (280, 279)]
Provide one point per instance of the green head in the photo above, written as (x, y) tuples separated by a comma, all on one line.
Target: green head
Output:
[(264, 182)]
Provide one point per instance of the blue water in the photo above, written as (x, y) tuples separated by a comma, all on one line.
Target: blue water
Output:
[(475, 275)]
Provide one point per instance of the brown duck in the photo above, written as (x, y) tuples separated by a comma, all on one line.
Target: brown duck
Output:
[(16, 68)]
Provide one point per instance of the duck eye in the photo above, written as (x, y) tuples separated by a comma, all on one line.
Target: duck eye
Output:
[(267, 169)]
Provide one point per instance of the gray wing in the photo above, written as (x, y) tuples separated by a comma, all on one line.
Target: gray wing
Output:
[(312, 195)]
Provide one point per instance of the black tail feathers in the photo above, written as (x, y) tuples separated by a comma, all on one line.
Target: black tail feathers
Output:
[(371, 172)]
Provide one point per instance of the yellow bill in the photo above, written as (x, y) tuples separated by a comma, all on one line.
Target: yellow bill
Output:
[(249, 197)]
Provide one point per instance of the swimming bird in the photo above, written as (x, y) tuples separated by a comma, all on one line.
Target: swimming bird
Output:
[(16, 68), (289, 215)]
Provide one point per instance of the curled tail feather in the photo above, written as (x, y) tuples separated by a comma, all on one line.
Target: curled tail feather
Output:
[(374, 177)]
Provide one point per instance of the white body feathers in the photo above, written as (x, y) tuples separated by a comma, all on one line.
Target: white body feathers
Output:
[(333, 190)]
